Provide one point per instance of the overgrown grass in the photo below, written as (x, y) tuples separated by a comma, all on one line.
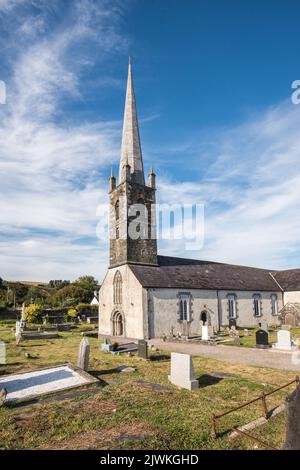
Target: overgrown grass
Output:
[(125, 414)]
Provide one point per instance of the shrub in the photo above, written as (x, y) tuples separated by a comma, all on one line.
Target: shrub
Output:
[(72, 312), (33, 313), (87, 310)]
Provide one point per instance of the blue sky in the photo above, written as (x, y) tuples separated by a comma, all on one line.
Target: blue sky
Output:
[(213, 86)]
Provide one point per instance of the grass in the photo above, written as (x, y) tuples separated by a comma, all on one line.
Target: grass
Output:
[(127, 415), (249, 341)]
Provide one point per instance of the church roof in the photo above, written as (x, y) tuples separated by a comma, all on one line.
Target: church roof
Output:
[(288, 279), (184, 273), (131, 152)]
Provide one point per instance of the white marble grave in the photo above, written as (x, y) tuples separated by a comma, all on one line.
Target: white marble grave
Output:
[(182, 371), (205, 333), (284, 340)]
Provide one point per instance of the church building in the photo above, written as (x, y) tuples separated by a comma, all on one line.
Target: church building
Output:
[(145, 295)]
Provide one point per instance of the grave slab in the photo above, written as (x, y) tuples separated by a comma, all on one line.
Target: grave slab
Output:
[(39, 382)]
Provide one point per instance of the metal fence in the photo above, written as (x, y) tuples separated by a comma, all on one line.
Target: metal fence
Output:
[(265, 414)]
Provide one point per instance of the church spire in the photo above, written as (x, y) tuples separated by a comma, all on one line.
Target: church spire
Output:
[(131, 153)]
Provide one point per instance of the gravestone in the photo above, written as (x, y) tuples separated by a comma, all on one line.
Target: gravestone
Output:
[(106, 345), (143, 349), (182, 371), (264, 326), (205, 333), (246, 332), (292, 440), (232, 322), (2, 353), (284, 340), (262, 339), (83, 355)]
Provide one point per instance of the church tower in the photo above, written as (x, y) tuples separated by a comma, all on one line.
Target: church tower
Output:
[(132, 204)]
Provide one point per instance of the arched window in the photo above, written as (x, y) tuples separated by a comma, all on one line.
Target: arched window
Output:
[(184, 307), (257, 305), (117, 210), (274, 304), (118, 288)]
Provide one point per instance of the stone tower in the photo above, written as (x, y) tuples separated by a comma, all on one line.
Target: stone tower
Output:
[(132, 204)]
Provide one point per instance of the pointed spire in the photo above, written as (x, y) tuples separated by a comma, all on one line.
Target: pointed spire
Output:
[(131, 153)]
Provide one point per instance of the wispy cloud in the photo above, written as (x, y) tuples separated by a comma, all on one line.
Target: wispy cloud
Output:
[(251, 191), (52, 167)]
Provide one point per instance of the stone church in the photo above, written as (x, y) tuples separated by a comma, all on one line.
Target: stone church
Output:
[(145, 295)]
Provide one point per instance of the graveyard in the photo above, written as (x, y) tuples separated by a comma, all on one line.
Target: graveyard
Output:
[(131, 403)]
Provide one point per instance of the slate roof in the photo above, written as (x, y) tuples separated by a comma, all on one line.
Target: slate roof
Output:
[(195, 274), (289, 279)]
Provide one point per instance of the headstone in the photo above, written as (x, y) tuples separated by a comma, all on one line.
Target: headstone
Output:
[(264, 326), (2, 353), (246, 332), (292, 440), (83, 354), (232, 322), (106, 345), (182, 371), (284, 340), (262, 339), (205, 333), (236, 340), (143, 349)]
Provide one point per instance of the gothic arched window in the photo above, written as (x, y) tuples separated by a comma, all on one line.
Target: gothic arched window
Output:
[(118, 288), (184, 308), (117, 210)]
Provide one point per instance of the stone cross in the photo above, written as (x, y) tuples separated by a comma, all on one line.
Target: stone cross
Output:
[(83, 354), (292, 440), (182, 371)]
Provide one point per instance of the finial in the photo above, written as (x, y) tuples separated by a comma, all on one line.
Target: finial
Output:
[(112, 172), (129, 60), (151, 168)]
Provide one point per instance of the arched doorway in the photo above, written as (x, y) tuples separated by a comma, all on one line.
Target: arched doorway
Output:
[(118, 324), (203, 317)]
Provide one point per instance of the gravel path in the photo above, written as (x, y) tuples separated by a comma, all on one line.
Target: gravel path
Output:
[(235, 355)]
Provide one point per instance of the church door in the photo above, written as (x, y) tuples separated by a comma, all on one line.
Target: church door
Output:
[(118, 324)]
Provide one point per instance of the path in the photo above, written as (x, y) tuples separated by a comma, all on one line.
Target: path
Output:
[(234, 354)]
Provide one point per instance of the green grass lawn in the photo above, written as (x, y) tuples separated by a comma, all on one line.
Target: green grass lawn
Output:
[(250, 341), (125, 414)]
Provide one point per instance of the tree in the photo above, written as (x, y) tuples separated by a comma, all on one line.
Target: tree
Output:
[(58, 283), (89, 284), (69, 296)]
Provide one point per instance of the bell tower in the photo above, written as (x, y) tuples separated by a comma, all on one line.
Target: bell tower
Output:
[(132, 218)]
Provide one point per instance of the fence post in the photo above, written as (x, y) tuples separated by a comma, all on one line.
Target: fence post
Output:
[(264, 403), (213, 427)]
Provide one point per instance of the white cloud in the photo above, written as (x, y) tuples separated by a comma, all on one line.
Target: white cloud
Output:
[(251, 193), (52, 172)]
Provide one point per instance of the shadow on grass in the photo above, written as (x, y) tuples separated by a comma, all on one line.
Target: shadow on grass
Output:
[(206, 380), (160, 357)]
